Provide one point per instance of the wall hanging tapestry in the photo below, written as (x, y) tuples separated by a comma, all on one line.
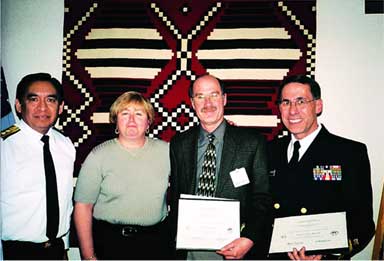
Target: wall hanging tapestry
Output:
[(158, 47)]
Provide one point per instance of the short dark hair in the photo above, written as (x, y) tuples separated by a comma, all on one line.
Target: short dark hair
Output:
[(301, 78), (221, 83), (28, 80)]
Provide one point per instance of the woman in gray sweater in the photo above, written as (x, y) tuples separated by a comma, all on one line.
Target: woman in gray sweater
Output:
[(120, 194)]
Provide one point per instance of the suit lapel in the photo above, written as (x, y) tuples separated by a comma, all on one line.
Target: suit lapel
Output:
[(190, 152), (227, 159), (285, 151), (313, 149)]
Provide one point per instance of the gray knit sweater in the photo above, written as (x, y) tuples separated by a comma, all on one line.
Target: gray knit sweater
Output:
[(126, 186)]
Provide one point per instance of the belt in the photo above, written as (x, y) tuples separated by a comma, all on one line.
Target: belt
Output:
[(45, 245), (126, 230), (52, 242)]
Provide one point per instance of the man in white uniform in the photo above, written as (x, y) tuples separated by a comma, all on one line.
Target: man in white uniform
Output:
[(36, 174)]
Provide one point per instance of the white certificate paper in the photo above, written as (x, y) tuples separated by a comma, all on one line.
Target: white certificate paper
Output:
[(315, 232), (207, 223)]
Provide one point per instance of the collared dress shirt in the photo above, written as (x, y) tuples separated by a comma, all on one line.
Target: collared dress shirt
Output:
[(22, 181), (202, 147), (304, 143)]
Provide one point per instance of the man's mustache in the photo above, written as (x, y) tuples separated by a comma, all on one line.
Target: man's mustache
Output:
[(209, 109)]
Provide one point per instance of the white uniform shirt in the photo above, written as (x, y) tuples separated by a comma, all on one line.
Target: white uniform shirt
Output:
[(22, 183)]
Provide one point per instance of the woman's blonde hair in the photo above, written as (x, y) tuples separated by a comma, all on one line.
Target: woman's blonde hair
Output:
[(127, 98)]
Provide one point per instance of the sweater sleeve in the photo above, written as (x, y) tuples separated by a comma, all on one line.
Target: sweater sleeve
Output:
[(90, 177)]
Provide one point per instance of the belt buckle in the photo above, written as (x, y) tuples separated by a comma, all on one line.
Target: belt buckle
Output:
[(128, 231), (47, 244)]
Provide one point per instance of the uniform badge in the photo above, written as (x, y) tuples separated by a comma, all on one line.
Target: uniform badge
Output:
[(9, 131), (327, 173)]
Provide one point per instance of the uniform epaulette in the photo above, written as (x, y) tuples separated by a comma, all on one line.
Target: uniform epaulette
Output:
[(9, 131)]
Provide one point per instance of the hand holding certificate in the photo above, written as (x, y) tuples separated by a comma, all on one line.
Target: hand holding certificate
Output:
[(207, 223), (323, 233)]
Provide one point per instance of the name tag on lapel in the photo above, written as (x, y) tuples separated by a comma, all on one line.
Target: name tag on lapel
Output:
[(327, 173), (239, 177)]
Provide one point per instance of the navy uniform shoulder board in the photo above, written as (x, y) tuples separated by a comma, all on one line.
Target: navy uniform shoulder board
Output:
[(9, 131)]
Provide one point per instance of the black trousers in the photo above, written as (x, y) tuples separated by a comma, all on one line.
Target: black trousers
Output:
[(119, 242), (21, 250)]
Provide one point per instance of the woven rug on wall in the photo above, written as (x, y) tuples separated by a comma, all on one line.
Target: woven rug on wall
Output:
[(159, 47)]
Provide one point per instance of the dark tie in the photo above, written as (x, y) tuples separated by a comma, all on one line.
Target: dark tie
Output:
[(51, 191), (206, 185), (295, 157)]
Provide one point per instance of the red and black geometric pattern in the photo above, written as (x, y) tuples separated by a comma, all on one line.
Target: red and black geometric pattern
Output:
[(159, 47)]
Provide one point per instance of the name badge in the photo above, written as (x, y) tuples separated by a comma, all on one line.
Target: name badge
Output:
[(239, 177)]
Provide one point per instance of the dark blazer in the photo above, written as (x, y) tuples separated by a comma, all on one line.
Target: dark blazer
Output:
[(295, 190), (243, 147)]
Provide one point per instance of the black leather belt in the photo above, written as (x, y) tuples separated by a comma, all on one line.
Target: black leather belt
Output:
[(45, 245), (52, 242), (126, 230)]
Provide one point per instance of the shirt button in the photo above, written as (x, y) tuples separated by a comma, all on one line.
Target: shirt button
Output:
[(276, 205), (303, 210)]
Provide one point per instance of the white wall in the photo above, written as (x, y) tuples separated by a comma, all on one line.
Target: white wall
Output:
[(350, 60), (350, 64), (31, 39)]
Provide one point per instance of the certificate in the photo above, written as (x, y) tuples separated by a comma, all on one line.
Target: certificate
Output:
[(321, 233), (207, 223)]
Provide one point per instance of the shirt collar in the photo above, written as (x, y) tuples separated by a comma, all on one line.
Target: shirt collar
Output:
[(304, 142), (218, 132), (33, 133)]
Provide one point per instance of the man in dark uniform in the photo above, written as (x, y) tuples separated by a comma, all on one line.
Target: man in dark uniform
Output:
[(313, 171)]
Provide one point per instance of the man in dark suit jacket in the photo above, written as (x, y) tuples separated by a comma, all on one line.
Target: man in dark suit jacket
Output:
[(331, 173), (236, 148)]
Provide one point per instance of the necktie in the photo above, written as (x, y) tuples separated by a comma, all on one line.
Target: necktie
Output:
[(295, 157), (206, 185), (51, 191)]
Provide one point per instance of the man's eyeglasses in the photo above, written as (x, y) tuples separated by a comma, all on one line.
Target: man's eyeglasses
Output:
[(214, 96), (299, 103)]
